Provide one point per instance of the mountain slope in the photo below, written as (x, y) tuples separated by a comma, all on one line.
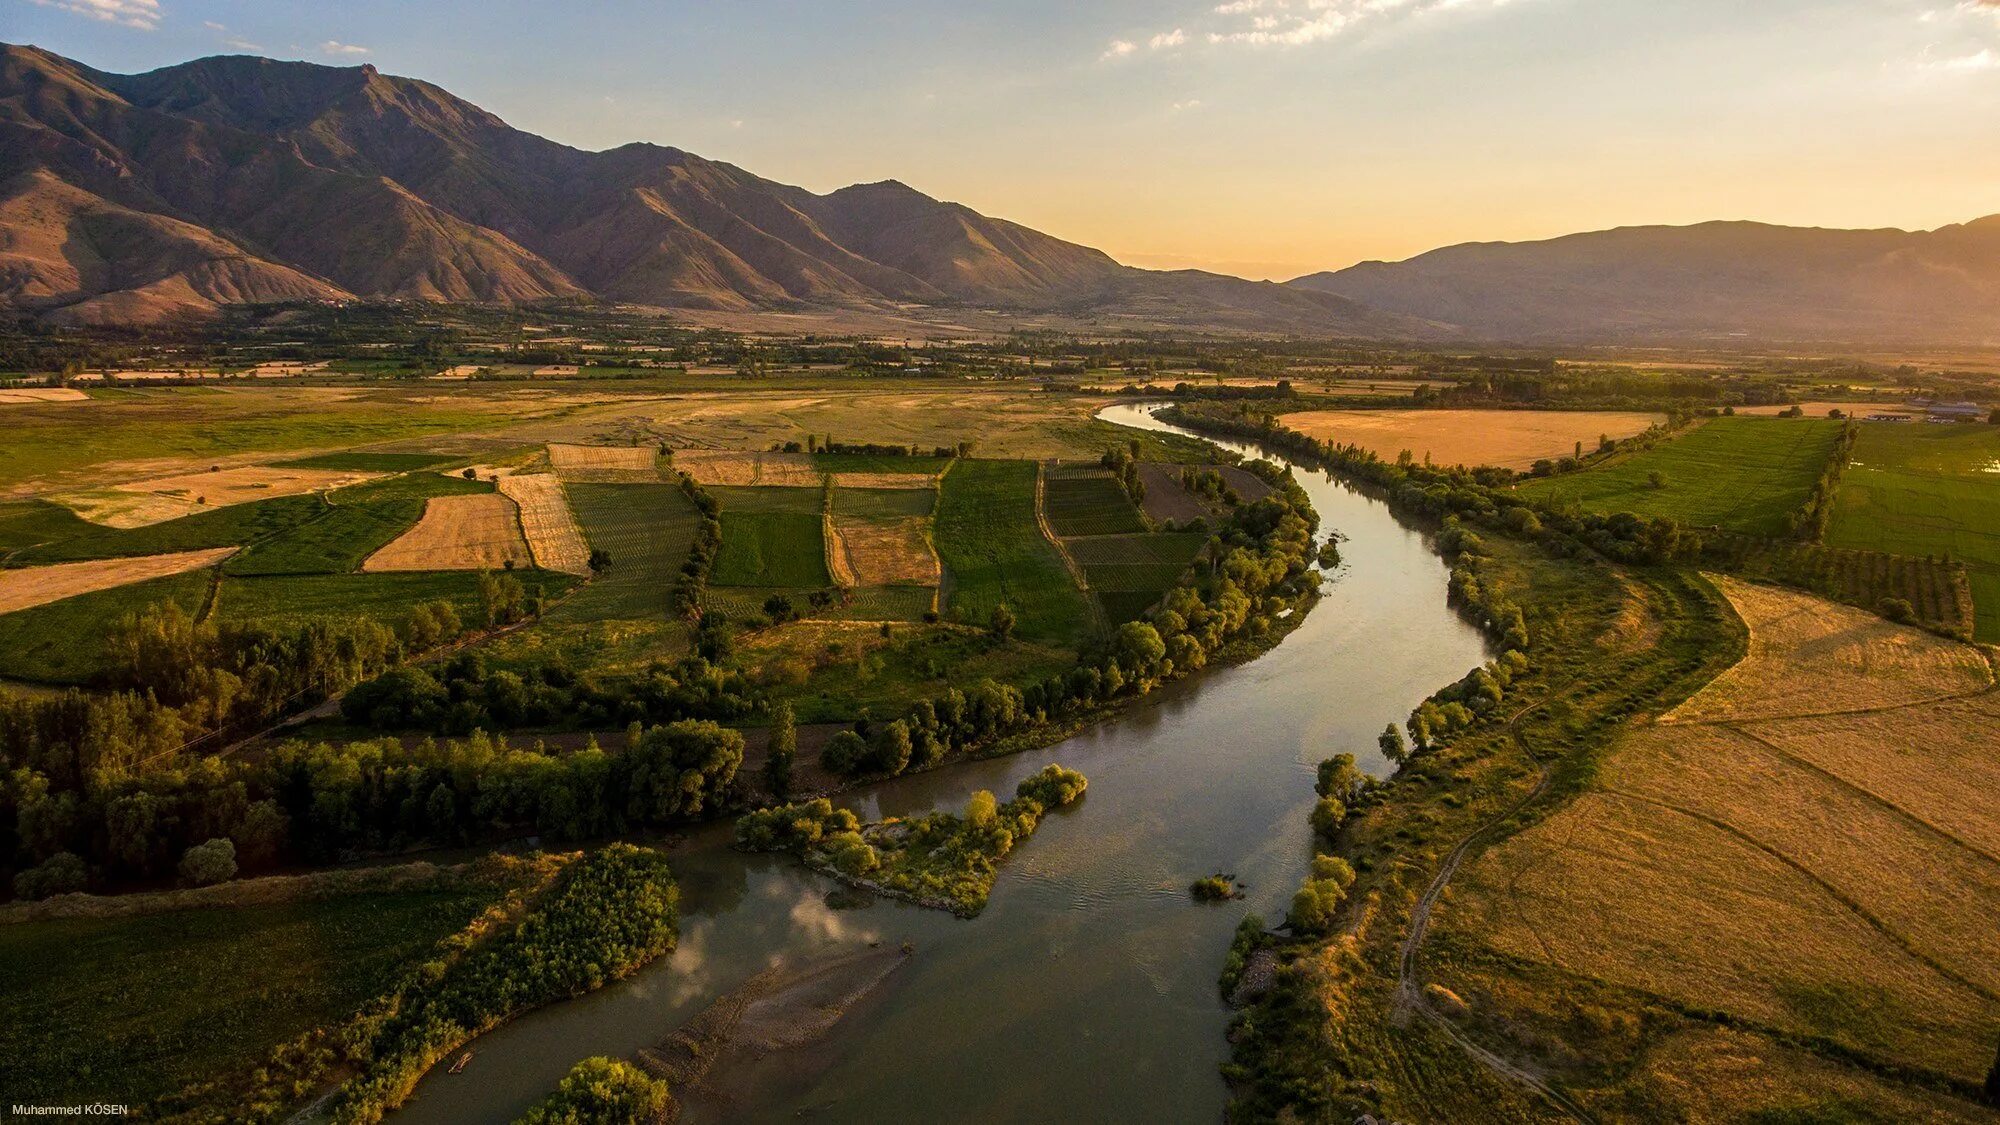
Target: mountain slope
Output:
[(299, 181), (1711, 280)]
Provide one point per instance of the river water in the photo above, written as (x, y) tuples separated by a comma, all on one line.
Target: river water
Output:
[(1086, 991)]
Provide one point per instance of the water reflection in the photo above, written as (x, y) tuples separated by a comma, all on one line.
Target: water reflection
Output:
[(1087, 989)]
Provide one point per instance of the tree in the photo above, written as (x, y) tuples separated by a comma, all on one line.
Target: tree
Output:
[(260, 835), (1656, 479), (600, 560), (843, 753), (1338, 777), (602, 1090), (783, 748), (1392, 744), (60, 874), (889, 748), (211, 862), (1001, 624), (1898, 610)]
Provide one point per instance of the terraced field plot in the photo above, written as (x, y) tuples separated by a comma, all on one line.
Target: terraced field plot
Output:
[(160, 499), (358, 461), (732, 468), (1129, 573), (994, 552), (631, 464), (883, 536), (648, 529), (772, 537), (480, 532), (551, 531), (1754, 856), (24, 588), (351, 525), (25, 523), (1741, 474), (1088, 501), (385, 597), (1928, 490), (63, 642), (223, 527)]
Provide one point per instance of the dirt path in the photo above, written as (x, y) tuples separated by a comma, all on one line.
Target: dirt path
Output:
[(1410, 999)]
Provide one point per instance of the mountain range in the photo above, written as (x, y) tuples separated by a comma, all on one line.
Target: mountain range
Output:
[(130, 199)]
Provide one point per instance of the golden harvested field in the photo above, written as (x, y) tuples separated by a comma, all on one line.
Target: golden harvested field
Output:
[(726, 467), (1510, 439), (159, 499), (885, 480), (1781, 855), (1809, 656), (603, 462), (1820, 409), (39, 585), (886, 552), (475, 532), (546, 521), (41, 394)]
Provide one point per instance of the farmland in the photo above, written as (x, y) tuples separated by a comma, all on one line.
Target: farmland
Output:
[(466, 532), (385, 597), (33, 586), (1741, 474), (994, 552), (647, 529), (198, 996), (772, 537), (1928, 491), (883, 535), (62, 642), (1088, 501), (1128, 573), (354, 524), (1749, 856), (546, 522), (1510, 439)]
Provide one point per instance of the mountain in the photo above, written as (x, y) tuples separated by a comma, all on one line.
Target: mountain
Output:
[(1701, 282), (130, 198)]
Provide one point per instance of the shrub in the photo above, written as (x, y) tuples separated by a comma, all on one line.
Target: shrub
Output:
[(601, 1091), (211, 862), (60, 874)]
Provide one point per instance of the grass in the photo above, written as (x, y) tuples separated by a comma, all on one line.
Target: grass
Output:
[(1928, 490), (859, 603), (360, 462), (224, 527), (1090, 503), (994, 552), (771, 537), (354, 524), (843, 671), (173, 999), (1742, 474), (63, 642), (648, 529)]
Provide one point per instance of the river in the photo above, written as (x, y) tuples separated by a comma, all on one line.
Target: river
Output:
[(1086, 991)]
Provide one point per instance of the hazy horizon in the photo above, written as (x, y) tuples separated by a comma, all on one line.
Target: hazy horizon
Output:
[(1263, 138)]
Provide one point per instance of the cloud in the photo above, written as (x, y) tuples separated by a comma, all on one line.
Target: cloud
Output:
[(1180, 107), (1298, 23), (336, 47), (1984, 59), (142, 14)]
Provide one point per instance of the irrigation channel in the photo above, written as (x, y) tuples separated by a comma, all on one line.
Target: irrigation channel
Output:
[(1087, 988)]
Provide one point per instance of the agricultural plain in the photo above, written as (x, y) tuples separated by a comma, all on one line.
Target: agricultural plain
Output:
[(1750, 475), (1928, 490), (1752, 856), (481, 532), (1510, 439), (994, 552)]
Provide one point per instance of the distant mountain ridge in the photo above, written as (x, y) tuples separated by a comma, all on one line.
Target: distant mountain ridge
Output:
[(1712, 280), (131, 198)]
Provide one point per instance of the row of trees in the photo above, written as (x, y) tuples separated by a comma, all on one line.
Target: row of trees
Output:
[(685, 601), (319, 802), (464, 696), (1810, 522)]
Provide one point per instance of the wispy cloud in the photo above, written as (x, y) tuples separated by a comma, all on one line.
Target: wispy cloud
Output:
[(1297, 23), (1986, 58), (1184, 106), (336, 47), (142, 14)]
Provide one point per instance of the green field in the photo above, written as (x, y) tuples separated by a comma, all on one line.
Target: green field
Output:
[(383, 597), (63, 642), (25, 523), (357, 462), (772, 537), (355, 523), (1089, 502), (172, 999), (223, 527), (1928, 491), (648, 529), (994, 552), (1128, 573), (884, 503), (861, 603), (1741, 474)]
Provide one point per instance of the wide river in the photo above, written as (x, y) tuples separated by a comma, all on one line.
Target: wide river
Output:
[(1086, 991)]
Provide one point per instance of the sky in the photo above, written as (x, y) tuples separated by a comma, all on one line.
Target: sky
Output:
[(1265, 138)]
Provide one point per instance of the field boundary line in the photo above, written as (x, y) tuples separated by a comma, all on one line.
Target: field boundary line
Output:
[(1853, 907), (1097, 616)]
